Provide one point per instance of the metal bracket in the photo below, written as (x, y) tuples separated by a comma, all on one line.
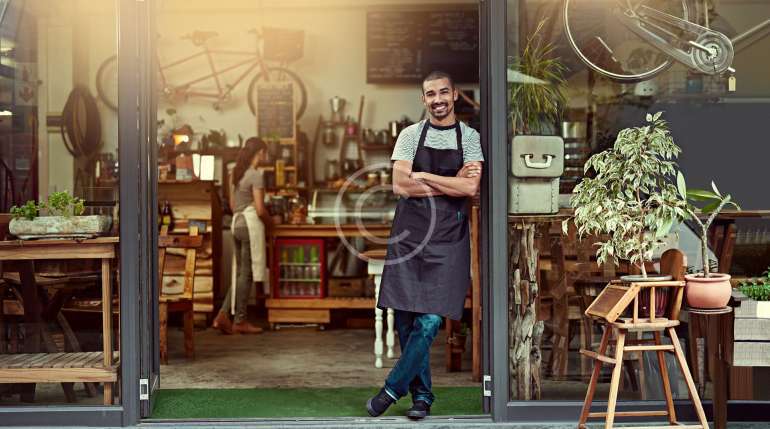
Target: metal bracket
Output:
[(487, 385), (144, 389)]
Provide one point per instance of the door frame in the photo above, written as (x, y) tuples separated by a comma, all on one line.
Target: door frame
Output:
[(129, 154)]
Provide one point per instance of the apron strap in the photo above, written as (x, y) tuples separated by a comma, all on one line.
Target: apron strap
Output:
[(423, 134), (459, 133)]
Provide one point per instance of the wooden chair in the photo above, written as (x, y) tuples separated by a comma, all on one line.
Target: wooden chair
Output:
[(572, 282), (178, 303), (7, 187), (614, 301)]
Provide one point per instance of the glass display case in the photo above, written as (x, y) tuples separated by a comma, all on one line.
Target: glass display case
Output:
[(330, 206)]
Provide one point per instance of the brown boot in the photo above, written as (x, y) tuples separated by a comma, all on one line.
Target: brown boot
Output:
[(246, 328), (223, 323)]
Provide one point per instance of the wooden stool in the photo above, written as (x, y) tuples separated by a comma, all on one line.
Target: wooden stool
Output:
[(607, 309)]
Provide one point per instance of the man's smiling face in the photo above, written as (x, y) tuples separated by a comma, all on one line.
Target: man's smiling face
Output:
[(439, 97)]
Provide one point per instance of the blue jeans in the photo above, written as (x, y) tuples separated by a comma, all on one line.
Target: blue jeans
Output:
[(411, 374)]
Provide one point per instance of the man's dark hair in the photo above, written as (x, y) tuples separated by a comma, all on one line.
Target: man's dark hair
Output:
[(438, 74)]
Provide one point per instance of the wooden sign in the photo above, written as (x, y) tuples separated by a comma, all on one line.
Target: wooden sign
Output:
[(612, 301), (275, 110)]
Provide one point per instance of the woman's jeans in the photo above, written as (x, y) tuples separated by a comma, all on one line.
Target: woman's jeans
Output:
[(416, 332), (244, 277)]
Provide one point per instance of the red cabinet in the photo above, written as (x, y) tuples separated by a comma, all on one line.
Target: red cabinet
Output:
[(299, 268)]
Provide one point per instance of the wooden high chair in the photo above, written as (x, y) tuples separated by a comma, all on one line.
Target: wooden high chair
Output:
[(607, 309)]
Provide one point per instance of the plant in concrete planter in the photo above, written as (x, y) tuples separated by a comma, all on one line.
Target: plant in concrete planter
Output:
[(632, 198), (63, 219), (706, 289)]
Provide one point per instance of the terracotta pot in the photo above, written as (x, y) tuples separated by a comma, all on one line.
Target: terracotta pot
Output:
[(708, 292), (661, 295)]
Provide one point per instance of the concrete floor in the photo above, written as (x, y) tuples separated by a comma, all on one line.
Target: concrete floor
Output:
[(292, 357)]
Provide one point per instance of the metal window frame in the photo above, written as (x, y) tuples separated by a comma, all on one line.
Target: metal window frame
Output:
[(131, 186)]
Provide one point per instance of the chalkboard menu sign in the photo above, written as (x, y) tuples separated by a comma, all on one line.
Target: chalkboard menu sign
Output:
[(275, 110), (404, 46)]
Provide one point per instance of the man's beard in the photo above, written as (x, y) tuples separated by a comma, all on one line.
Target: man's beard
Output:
[(441, 114)]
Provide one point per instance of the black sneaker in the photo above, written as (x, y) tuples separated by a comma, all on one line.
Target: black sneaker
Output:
[(377, 404), (419, 410)]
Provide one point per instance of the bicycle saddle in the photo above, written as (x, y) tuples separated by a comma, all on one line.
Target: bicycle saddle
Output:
[(200, 37)]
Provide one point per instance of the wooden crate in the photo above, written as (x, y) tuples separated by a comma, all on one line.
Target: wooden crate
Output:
[(346, 286)]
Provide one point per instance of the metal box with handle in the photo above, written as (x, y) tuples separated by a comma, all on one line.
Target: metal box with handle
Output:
[(537, 162)]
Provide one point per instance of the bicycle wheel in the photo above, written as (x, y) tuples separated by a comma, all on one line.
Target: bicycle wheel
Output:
[(278, 74), (107, 83), (607, 47)]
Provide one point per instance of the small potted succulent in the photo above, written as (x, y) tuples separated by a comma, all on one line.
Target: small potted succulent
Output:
[(631, 200), (706, 289), (63, 218)]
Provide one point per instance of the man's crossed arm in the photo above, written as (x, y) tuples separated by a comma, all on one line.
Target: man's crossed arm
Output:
[(420, 184)]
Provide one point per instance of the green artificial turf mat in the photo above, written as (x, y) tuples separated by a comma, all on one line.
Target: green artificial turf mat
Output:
[(286, 403)]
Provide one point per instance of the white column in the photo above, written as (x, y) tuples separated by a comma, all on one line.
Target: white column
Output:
[(390, 337), (375, 268)]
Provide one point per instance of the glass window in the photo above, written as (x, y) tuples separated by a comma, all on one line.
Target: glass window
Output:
[(58, 202), (584, 70)]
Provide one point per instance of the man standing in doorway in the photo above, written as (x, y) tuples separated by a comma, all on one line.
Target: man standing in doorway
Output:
[(427, 272)]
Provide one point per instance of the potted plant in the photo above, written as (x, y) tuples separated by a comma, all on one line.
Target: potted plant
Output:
[(63, 219), (706, 289), (536, 87), (631, 199)]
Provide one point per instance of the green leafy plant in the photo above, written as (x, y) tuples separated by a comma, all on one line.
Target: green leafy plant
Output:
[(532, 106), (58, 204), (713, 202), (28, 211), (757, 288), (631, 199), (63, 204)]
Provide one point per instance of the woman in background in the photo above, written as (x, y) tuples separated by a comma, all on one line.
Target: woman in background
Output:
[(250, 220)]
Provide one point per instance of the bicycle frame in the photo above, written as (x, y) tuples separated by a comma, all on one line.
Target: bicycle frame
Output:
[(223, 91)]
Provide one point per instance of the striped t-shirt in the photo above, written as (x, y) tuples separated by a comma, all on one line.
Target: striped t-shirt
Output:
[(437, 138)]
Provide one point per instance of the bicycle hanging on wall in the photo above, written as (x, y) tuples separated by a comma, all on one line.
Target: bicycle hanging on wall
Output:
[(619, 48), (278, 45)]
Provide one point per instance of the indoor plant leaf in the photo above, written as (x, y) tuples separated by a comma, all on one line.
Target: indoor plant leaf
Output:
[(701, 195), (680, 184)]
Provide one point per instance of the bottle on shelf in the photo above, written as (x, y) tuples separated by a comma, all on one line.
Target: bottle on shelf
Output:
[(167, 215)]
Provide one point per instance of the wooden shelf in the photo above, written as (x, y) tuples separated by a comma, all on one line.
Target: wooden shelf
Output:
[(56, 368), (369, 146)]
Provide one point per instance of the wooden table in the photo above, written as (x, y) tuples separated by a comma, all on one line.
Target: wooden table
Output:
[(34, 366), (722, 234), (716, 328), (525, 331)]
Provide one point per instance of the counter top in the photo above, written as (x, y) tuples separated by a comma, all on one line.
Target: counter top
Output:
[(331, 230)]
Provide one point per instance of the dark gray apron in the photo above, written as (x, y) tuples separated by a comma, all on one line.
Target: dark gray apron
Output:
[(427, 268)]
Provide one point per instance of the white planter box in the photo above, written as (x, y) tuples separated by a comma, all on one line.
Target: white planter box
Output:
[(751, 332), (60, 226), (751, 353)]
